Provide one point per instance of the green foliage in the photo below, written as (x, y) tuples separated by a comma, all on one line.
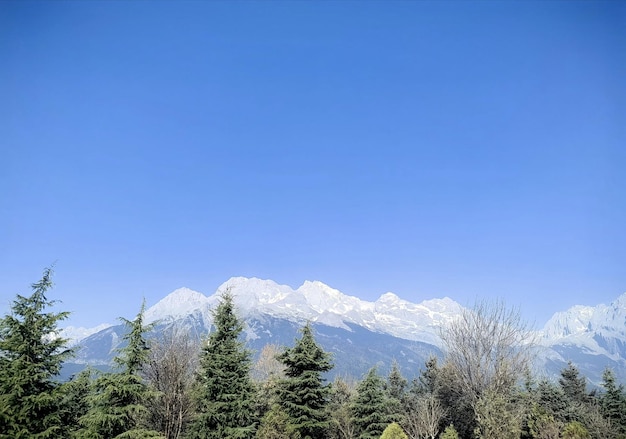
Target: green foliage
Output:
[(75, 403), (224, 393), (497, 417), (117, 401), (395, 391), (275, 425), (369, 409), (394, 431), (339, 407), (539, 424), (429, 376), (302, 394), (573, 384), (575, 430), (31, 355), (613, 401), (456, 404), (449, 433)]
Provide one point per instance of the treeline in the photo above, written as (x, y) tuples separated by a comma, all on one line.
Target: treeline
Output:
[(171, 387)]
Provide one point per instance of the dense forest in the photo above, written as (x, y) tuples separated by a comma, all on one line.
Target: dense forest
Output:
[(172, 387)]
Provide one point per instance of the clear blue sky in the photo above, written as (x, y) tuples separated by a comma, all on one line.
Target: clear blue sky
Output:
[(461, 149)]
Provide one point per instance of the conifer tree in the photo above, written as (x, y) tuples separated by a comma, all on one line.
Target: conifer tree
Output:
[(613, 401), (369, 410), (303, 394), (395, 391), (118, 400), (573, 384), (224, 391), (31, 355)]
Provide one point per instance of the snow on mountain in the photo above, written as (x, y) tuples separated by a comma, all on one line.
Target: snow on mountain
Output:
[(177, 304), (316, 302), (75, 334), (600, 330)]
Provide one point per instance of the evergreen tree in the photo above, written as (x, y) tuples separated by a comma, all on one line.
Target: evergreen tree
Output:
[(613, 401), (31, 355), (573, 384), (224, 391), (303, 394), (395, 391), (118, 399), (429, 376), (75, 404), (369, 410)]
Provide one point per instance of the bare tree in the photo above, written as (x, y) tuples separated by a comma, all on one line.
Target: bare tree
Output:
[(488, 349), (267, 366), (170, 369), (423, 417)]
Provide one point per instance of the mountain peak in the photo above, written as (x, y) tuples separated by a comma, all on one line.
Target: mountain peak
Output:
[(178, 303), (389, 297)]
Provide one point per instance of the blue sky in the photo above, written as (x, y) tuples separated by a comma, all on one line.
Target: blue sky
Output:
[(461, 149)]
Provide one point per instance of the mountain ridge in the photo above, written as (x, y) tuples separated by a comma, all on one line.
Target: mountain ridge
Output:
[(592, 336)]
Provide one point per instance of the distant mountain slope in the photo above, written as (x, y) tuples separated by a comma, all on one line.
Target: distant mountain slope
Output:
[(361, 333)]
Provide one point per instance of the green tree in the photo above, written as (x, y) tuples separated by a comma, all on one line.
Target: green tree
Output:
[(394, 431), (449, 433), (303, 395), (497, 417), (339, 407), (573, 384), (369, 409), (575, 430), (275, 425), (395, 391), (613, 401), (31, 355), (75, 401), (224, 392), (118, 399)]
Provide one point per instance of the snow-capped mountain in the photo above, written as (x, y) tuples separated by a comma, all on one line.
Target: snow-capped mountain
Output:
[(316, 302), (362, 333), (589, 335), (76, 334)]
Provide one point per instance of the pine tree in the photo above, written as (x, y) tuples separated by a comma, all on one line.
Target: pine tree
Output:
[(613, 401), (303, 394), (31, 355), (395, 391), (369, 410), (118, 399), (573, 384), (75, 401), (224, 390)]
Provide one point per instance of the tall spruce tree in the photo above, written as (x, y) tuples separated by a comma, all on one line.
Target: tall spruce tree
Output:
[(369, 409), (395, 390), (613, 401), (31, 355), (303, 394), (573, 384), (118, 399), (224, 391)]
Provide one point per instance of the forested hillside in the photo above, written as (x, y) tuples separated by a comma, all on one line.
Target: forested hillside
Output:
[(173, 387)]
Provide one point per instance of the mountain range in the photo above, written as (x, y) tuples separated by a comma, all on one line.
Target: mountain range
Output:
[(361, 334)]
